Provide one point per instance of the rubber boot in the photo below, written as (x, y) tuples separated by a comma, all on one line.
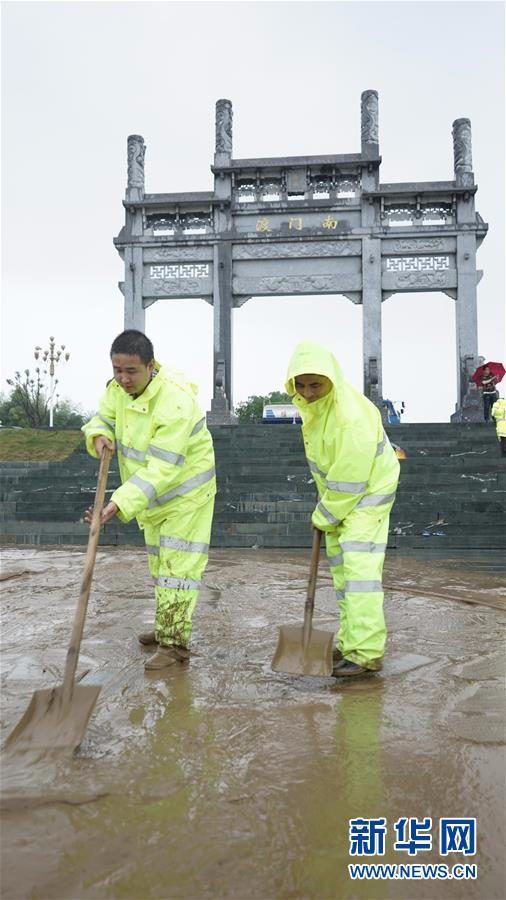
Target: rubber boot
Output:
[(147, 637), (167, 656), (348, 669)]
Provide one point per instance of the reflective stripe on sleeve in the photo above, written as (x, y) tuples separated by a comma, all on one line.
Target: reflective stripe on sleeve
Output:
[(336, 560), (198, 427), (376, 499), (362, 547), (314, 468), (167, 455), (153, 549), (327, 515), (184, 488), (340, 595), (110, 422), (144, 486), (131, 452), (180, 584), (174, 543), (381, 445), (362, 587), (347, 487)]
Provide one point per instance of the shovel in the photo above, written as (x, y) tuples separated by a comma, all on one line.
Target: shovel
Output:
[(305, 650), (56, 718)]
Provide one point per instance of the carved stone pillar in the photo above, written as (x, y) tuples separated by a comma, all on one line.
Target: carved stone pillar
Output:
[(462, 153), (369, 129), (221, 412), (134, 312), (131, 288), (223, 122), (468, 406), (370, 151), (371, 320), (136, 153)]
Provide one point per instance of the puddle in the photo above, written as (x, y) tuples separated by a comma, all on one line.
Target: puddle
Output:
[(221, 779)]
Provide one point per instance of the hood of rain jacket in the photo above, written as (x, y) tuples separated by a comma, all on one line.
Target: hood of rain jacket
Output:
[(349, 454)]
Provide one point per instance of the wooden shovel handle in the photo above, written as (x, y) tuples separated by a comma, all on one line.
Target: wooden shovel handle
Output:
[(89, 562), (311, 587)]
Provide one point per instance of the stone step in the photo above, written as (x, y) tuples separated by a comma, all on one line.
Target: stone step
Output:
[(418, 518), (42, 533), (446, 546), (275, 457), (247, 487), (266, 493)]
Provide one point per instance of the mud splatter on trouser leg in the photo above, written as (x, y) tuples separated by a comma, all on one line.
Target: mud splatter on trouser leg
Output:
[(177, 555), (356, 551)]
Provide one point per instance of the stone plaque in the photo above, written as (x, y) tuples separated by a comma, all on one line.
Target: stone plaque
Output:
[(297, 284)]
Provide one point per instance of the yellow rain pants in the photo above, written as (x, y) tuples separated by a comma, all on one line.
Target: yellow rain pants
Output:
[(356, 552), (177, 555)]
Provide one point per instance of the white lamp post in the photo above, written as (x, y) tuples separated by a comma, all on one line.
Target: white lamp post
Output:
[(54, 358)]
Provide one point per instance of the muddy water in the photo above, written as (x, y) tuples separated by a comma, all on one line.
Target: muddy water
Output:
[(222, 779)]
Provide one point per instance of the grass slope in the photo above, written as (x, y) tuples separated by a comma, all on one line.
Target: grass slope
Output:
[(38, 444)]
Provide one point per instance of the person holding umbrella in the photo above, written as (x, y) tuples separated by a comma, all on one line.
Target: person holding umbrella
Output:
[(487, 377)]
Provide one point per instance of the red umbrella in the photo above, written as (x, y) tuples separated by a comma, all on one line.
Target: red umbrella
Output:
[(496, 369)]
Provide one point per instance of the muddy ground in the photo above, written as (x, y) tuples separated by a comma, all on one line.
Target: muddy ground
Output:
[(221, 779)]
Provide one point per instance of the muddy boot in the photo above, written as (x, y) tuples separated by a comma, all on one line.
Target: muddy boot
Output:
[(336, 656), (346, 668), (167, 656), (147, 637)]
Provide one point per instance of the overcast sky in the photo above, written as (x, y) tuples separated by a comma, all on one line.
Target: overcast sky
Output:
[(79, 77)]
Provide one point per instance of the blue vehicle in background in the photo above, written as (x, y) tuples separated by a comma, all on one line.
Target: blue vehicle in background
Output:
[(395, 409)]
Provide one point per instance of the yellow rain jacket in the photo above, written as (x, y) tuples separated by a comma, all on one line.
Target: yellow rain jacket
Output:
[(349, 454), (499, 414), (164, 447)]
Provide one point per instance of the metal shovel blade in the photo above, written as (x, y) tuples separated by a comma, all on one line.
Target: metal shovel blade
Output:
[(52, 722), (292, 657)]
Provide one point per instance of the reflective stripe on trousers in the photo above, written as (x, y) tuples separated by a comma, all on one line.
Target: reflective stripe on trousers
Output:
[(177, 557), (356, 552), (180, 490)]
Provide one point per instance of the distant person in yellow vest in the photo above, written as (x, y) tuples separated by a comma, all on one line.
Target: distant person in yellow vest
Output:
[(166, 463), (356, 473), (499, 414)]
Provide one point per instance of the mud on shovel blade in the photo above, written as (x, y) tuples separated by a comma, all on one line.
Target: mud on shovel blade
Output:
[(56, 718), (305, 650)]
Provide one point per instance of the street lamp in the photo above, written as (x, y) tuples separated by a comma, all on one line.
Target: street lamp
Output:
[(54, 358)]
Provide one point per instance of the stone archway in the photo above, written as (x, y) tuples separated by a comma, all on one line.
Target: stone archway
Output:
[(304, 226)]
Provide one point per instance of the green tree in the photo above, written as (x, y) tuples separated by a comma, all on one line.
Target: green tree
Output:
[(27, 404), (70, 415), (251, 410)]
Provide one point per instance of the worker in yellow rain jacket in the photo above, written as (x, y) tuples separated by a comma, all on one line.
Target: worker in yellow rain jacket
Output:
[(499, 414), (166, 463), (356, 472)]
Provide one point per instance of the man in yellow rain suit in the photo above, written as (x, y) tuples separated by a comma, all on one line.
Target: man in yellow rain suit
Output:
[(166, 462), (499, 414), (356, 472)]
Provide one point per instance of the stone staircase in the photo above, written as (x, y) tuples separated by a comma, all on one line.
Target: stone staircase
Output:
[(453, 473)]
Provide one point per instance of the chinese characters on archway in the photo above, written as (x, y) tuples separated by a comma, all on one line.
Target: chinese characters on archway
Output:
[(295, 223)]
